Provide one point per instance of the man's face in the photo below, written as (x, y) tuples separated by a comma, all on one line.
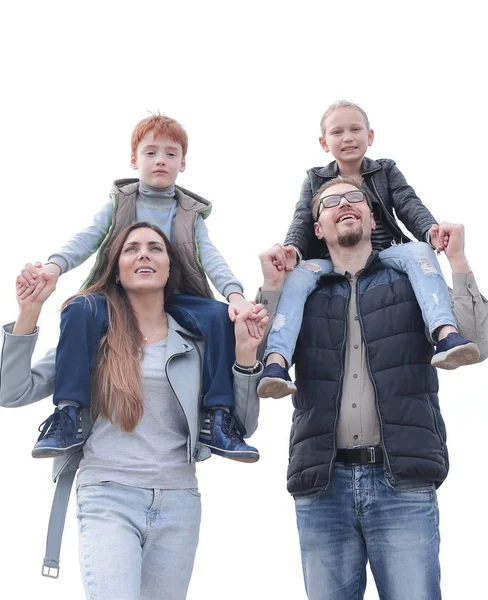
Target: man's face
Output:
[(346, 135), (346, 224), (159, 160)]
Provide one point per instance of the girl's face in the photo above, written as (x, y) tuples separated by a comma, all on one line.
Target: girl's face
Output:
[(144, 262), (346, 135)]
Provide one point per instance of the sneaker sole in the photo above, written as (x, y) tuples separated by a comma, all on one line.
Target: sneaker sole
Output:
[(275, 387), (53, 452), (467, 354), (247, 457)]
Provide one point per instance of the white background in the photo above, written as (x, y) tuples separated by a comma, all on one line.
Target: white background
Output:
[(249, 82)]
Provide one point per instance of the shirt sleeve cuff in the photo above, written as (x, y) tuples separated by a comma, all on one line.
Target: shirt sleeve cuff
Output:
[(57, 259), (232, 288), (7, 332), (464, 284)]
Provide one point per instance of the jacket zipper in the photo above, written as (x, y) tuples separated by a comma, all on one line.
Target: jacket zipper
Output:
[(391, 220), (176, 396)]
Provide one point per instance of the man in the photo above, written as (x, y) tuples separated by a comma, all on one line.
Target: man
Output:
[(368, 442)]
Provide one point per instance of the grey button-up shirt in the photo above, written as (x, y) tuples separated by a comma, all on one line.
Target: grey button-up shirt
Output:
[(358, 423)]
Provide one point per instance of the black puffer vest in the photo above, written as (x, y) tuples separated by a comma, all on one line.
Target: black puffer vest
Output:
[(398, 353)]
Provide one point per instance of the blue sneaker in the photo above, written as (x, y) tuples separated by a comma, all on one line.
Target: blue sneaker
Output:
[(275, 382), (61, 434), (455, 351), (220, 433)]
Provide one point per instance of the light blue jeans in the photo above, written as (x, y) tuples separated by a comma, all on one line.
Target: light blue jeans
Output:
[(362, 517), (416, 259), (137, 543)]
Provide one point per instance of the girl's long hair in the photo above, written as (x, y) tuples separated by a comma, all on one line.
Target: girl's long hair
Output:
[(115, 382)]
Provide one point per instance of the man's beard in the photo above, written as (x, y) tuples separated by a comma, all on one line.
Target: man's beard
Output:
[(350, 238)]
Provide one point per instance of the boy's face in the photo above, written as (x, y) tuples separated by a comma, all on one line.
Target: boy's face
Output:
[(158, 160), (346, 135)]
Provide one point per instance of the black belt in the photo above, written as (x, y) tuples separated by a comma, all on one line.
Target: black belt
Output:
[(360, 456)]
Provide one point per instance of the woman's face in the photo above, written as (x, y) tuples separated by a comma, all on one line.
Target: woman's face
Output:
[(144, 262)]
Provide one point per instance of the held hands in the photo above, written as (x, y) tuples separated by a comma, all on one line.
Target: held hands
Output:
[(275, 263), (35, 294), (33, 279), (239, 305), (448, 237), (246, 344)]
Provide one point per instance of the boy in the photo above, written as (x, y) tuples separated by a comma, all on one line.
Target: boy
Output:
[(158, 151)]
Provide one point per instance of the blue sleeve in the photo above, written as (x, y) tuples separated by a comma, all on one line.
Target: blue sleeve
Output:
[(83, 322)]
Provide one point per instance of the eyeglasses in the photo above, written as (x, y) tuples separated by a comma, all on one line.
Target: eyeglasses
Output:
[(353, 197)]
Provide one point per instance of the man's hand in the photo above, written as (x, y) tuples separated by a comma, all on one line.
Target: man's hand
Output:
[(31, 280), (275, 263)]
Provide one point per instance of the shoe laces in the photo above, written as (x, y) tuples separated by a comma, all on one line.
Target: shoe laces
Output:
[(230, 426), (53, 425)]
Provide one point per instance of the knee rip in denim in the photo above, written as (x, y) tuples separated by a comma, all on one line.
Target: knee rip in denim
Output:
[(279, 322), (311, 266), (427, 267)]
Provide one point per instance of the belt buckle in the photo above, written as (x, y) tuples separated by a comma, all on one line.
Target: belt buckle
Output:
[(372, 455)]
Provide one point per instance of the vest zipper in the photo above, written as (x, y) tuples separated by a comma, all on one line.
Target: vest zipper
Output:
[(339, 395), (387, 459)]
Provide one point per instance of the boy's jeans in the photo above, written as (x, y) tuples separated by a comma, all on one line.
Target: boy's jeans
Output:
[(416, 259), (82, 328), (137, 543), (362, 517)]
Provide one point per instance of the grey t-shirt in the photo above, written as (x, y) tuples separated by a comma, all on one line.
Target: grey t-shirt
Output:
[(154, 454)]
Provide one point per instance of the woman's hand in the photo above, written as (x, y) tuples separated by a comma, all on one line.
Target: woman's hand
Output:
[(247, 344)]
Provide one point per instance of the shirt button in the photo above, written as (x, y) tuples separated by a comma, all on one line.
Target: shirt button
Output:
[(265, 302), (470, 286), (356, 318), (356, 346), (354, 405), (356, 437), (355, 375)]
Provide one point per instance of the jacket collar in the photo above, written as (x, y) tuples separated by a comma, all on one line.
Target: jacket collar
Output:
[(331, 170)]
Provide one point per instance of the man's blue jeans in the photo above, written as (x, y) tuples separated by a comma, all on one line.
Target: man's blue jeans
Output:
[(84, 322), (137, 543), (362, 517), (416, 259)]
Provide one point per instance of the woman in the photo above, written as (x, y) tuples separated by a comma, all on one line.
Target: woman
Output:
[(138, 502)]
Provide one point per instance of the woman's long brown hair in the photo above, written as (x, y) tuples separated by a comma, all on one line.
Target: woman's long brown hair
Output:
[(115, 382)]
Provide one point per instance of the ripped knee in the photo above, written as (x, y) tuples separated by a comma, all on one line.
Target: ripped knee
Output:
[(279, 322), (427, 267)]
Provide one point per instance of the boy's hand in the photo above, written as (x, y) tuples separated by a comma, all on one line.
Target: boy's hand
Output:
[(31, 280)]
